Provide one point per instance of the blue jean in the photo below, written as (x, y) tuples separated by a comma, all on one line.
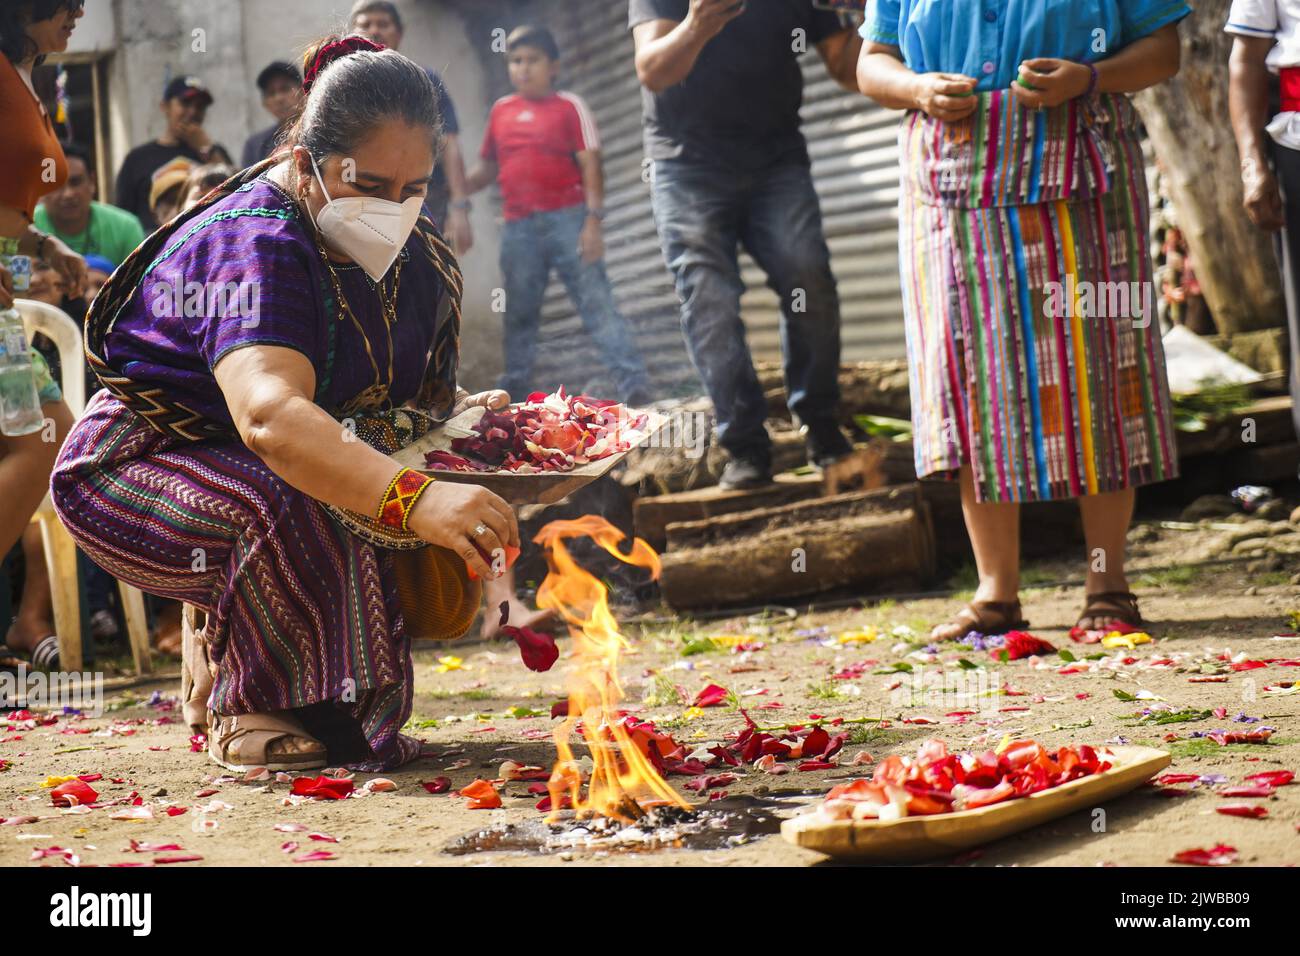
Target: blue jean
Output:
[(530, 249), (704, 214)]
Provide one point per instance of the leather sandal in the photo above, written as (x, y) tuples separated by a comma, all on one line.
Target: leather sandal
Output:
[(1114, 606), (242, 742), (982, 617)]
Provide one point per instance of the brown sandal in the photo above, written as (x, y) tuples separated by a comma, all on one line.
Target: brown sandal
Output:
[(1116, 607), (982, 617), (243, 742)]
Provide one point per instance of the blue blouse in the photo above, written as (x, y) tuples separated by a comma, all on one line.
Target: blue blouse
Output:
[(989, 39)]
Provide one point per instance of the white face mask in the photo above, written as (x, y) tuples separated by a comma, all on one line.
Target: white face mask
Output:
[(369, 231)]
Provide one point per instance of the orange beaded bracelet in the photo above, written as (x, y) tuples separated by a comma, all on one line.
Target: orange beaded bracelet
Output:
[(403, 492)]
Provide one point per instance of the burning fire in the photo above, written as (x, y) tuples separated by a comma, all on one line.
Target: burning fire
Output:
[(623, 781)]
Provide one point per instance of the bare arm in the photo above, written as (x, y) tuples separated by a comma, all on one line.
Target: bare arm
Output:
[(883, 76), (591, 242), (483, 176), (1142, 64), (840, 54), (453, 166), (666, 50), (1248, 96), (593, 177), (459, 230), (267, 389), (1145, 63)]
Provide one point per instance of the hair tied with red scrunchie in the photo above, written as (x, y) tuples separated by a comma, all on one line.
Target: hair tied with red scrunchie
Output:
[(335, 50)]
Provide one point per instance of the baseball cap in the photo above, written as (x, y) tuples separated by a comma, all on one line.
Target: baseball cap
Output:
[(277, 68), (187, 87), (99, 263)]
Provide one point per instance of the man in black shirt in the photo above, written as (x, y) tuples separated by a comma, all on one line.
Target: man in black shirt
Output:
[(722, 89), (185, 105), (281, 86), (448, 202)]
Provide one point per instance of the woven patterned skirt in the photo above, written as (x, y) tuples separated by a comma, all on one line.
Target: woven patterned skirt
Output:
[(301, 612), (1034, 349)]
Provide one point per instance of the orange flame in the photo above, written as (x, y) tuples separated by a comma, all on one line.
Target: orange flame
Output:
[(623, 780)]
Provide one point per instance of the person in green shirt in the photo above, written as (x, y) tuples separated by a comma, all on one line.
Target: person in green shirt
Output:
[(87, 227)]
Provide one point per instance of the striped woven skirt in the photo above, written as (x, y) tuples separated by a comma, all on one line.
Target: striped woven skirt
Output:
[(301, 612), (1034, 350)]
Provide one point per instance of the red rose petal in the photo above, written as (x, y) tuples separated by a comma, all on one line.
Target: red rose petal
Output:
[(1272, 778), (538, 650), (437, 784), (1218, 855), (73, 793), (711, 696), (322, 788)]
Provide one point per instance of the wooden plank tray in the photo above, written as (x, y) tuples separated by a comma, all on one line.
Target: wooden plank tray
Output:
[(912, 839), (541, 488)]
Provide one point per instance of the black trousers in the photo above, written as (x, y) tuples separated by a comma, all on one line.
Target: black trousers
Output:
[(1286, 161)]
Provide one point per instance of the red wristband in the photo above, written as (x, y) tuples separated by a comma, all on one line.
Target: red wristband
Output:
[(403, 492)]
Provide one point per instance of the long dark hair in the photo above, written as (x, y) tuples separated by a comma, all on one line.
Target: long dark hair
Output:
[(15, 15), (352, 85)]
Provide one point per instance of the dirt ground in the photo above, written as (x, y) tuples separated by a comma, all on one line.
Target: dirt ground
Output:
[(783, 672)]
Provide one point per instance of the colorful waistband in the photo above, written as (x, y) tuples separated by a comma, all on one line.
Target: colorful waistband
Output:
[(1007, 154)]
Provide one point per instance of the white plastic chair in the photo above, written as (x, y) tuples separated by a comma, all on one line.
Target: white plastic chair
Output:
[(60, 551)]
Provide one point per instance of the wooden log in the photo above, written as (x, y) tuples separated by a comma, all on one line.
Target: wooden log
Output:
[(1263, 466), (1264, 422), (1047, 528), (867, 542), (871, 554), (683, 535), (866, 388), (651, 516)]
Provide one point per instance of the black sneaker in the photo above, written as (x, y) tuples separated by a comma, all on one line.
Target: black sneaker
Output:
[(744, 473), (827, 448)]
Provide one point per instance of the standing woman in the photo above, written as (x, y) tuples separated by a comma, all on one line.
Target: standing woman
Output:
[(32, 164), (1024, 201), (239, 443)]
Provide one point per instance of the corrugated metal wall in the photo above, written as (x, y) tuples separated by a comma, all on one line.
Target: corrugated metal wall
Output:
[(855, 165)]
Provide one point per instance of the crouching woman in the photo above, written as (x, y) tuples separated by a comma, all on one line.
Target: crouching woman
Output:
[(236, 460)]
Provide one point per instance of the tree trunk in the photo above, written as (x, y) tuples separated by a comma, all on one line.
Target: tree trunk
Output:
[(1189, 124)]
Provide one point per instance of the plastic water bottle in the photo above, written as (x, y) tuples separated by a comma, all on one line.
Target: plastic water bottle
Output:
[(20, 405)]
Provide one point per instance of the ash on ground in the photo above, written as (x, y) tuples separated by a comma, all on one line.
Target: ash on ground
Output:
[(719, 825)]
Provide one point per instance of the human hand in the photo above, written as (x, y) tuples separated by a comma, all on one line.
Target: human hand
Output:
[(709, 17), (591, 241), (6, 287), (194, 135), (467, 520), (495, 399), (70, 266), (1048, 82), (460, 232), (1262, 197), (948, 97)]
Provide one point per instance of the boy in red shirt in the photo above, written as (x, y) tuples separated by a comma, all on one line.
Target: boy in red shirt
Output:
[(543, 148)]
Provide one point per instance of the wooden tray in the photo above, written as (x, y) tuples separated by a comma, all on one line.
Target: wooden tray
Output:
[(542, 488), (913, 839)]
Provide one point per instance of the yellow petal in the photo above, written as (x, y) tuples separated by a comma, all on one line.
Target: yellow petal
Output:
[(55, 781), (864, 636)]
